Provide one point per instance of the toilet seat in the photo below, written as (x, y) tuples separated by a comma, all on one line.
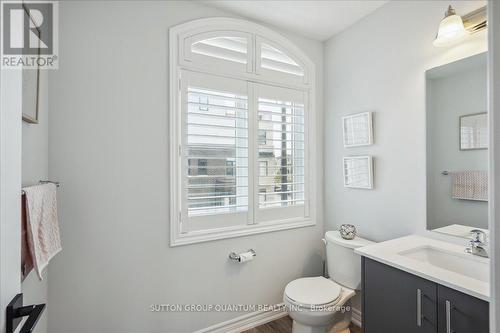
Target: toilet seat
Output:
[(313, 291)]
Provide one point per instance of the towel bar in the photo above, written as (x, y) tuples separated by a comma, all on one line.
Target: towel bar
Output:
[(49, 181), (44, 182)]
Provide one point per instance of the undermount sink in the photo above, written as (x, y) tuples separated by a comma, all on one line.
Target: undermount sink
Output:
[(438, 261), (464, 264)]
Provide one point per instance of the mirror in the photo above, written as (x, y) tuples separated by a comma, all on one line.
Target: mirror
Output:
[(457, 147)]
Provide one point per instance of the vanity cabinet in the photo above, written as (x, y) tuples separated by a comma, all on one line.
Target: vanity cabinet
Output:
[(459, 312), (397, 301)]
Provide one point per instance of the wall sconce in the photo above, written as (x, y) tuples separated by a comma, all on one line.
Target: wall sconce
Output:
[(454, 28)]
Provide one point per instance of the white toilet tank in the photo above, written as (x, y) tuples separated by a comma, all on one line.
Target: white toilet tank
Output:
[(344, 266)]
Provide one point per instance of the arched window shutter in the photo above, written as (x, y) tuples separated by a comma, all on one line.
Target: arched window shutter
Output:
[(241, 117)]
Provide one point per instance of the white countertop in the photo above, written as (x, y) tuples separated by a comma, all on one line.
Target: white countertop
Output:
[(458, 230), (388, 252)]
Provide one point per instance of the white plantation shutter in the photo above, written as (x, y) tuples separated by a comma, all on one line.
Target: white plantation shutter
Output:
[(224, 51), (240, 116), (215, 151), (276, 64), (276, 60), (227, 48), (282, 189)]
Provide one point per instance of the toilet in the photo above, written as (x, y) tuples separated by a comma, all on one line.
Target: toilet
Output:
[(318, 304)]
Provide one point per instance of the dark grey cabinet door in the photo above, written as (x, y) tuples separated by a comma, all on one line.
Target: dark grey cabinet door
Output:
[(461, 313), (397, 302)]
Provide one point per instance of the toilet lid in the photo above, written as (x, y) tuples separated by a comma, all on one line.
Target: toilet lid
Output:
[(313, 291)]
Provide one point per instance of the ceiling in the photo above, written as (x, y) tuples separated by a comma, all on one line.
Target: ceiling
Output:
[(314, 19)]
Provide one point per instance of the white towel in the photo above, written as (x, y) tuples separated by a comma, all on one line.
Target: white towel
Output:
[(470, 185), (44, 240)]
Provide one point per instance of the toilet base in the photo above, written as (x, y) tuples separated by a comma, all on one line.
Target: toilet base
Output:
[(300, 328), (346, 330)]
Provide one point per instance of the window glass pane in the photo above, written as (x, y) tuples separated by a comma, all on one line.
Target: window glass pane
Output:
[(273, 59), (228, 48), (217, 152), (281, 155)]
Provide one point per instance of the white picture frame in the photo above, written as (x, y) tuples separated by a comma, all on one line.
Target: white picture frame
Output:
[(358, 172), (474, 131), (357, 129), (31, 81)]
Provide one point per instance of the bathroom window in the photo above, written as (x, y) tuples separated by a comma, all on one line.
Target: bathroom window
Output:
[(218, 140), (283, 153), (241, 111)]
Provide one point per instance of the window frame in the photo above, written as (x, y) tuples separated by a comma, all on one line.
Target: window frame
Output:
[(178, 36)]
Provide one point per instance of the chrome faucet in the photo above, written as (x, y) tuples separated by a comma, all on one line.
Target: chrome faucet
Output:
[(477, 244)]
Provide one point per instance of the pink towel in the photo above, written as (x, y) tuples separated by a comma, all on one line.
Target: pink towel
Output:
[(470, 185), (42, 226)]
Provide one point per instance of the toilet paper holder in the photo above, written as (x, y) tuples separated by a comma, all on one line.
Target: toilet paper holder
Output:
[(237, 257)]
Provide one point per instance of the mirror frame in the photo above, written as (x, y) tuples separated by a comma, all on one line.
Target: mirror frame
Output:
[(460, 130), (462, 232)]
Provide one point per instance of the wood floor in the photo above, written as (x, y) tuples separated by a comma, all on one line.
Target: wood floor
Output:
[(284, 325)]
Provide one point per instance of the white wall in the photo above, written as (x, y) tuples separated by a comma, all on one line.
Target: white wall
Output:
[(449, 98), (108, 146), (35, 159), (380, 67), (10, 187), (494, 113)]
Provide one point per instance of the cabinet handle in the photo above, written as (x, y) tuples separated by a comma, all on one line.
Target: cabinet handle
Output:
[(419, 307), (448, 317)]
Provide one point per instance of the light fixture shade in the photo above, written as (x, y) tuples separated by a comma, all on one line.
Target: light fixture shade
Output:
[(451, 30)]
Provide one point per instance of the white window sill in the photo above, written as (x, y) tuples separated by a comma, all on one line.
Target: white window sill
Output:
[(244, 230)]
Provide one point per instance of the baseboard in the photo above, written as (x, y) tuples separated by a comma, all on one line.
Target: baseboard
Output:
[(246, 322), (356, 317)]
